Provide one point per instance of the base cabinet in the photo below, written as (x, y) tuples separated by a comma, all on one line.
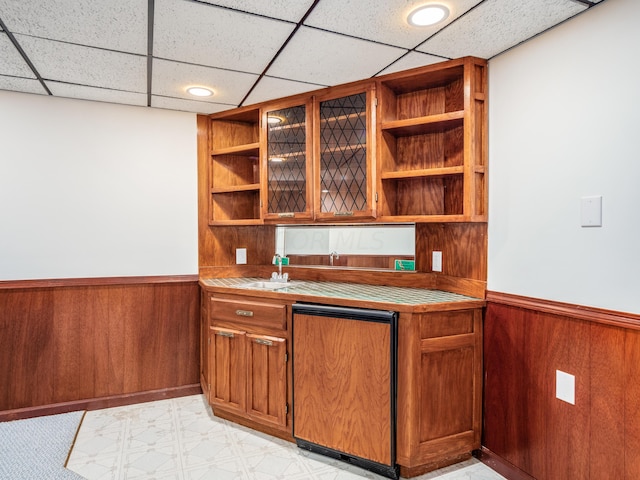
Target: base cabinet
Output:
[(248, 358), (439, 388), (439, 375)]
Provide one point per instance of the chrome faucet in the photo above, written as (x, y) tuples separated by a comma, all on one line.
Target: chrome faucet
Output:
[(279, 277), (333, 255)]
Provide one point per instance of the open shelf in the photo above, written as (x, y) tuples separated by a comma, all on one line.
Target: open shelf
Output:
[(234, 173), (429, 168)]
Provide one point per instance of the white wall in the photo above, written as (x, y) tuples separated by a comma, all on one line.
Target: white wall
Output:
[(564, 122), (92, 189)]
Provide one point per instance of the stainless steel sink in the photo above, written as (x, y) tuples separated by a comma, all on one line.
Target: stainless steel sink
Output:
[(268, 285)]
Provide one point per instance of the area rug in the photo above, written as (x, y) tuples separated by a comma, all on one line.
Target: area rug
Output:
[(37, 448)]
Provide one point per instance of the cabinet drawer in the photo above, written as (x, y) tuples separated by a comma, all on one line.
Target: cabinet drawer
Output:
[(258, 314)]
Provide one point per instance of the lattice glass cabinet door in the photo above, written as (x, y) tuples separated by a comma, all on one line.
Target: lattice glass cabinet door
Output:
[(344, 156), (288, 162)]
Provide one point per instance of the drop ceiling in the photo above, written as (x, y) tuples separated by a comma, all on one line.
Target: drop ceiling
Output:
[(147, 52)]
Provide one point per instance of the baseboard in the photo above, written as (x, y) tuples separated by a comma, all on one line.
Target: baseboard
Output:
[(102, 402), (500, 465)]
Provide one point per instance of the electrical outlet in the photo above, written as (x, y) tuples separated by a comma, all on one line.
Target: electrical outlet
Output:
[(436, 261), (241, 256), (565, 387)]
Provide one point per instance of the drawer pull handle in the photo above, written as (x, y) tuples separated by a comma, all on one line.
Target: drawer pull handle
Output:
[(342, 214), (262, 341), (225, 334), (286, 215), (244, 313)]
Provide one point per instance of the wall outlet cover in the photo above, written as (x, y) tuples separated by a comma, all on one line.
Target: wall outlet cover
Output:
[(565, 387), (436, 261), (241, 256)]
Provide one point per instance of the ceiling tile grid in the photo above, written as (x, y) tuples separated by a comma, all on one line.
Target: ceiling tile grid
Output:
[(24, 85), (115, 24), (247, 51), (497, 25), (384, 22), (97, 94), (12, 63), (269, 88), (216, 37), (67, 62), (289, 10), (229, 86), (317, 56)]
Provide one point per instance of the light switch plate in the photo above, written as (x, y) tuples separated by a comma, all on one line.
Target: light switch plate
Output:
[(591, 211), (565, 387), (241, 256), (436, 261)]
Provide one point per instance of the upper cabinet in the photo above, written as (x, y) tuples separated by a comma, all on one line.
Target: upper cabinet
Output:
[(344, 154), (405, 147), (234, 170), (287, 161), (432, 143)]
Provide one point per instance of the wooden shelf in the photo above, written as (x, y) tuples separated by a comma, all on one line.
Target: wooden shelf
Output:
[(427, 172), (422, 125), (248, 150), (236, 188)]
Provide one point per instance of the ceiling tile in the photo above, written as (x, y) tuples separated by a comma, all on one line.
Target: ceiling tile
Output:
[(380, 21), (70, 63), (171, 79), (270, 88), (194, 106), (12, 62), (26, 85), (290, 10), (327, 58), (496, 25), (216, 37), (116, 25), (412, 60), (97, 94)]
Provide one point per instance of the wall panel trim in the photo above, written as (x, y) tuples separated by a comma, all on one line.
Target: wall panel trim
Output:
[(93, 281), (102, 402), (578, 312)]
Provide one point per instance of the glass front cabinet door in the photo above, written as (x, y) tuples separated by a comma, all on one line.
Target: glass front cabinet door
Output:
[(287, 165), (343, 129)]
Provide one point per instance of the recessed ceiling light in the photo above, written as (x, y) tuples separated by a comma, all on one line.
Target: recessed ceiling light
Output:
[(427, 15), (199, 91)]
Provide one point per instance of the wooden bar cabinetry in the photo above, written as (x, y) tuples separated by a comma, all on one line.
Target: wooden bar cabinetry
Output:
[(248, 361), (405, 147)]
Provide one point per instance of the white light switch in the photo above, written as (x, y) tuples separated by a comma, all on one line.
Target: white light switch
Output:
[(241, 256), (591, 211), (436, 261), (565, 387)]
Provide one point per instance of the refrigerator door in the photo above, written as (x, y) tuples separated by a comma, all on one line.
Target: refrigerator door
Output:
[(344, 384)]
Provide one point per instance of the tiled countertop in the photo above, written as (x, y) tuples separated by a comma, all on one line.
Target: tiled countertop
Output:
[(324, 291)]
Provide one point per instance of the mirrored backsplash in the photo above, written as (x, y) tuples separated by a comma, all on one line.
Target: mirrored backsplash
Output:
[(365, 246)]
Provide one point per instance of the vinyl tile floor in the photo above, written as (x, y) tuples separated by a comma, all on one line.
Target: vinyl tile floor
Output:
[(180, 439)]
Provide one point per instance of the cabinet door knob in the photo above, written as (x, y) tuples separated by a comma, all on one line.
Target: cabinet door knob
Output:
[(244, 313)]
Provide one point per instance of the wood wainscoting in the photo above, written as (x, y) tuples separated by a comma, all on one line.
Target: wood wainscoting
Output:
[(528, 432), (91, 343)]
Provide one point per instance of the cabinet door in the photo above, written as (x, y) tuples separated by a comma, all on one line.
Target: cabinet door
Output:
[(228, 369), (344, 153), (287, 166), (267, 379)]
